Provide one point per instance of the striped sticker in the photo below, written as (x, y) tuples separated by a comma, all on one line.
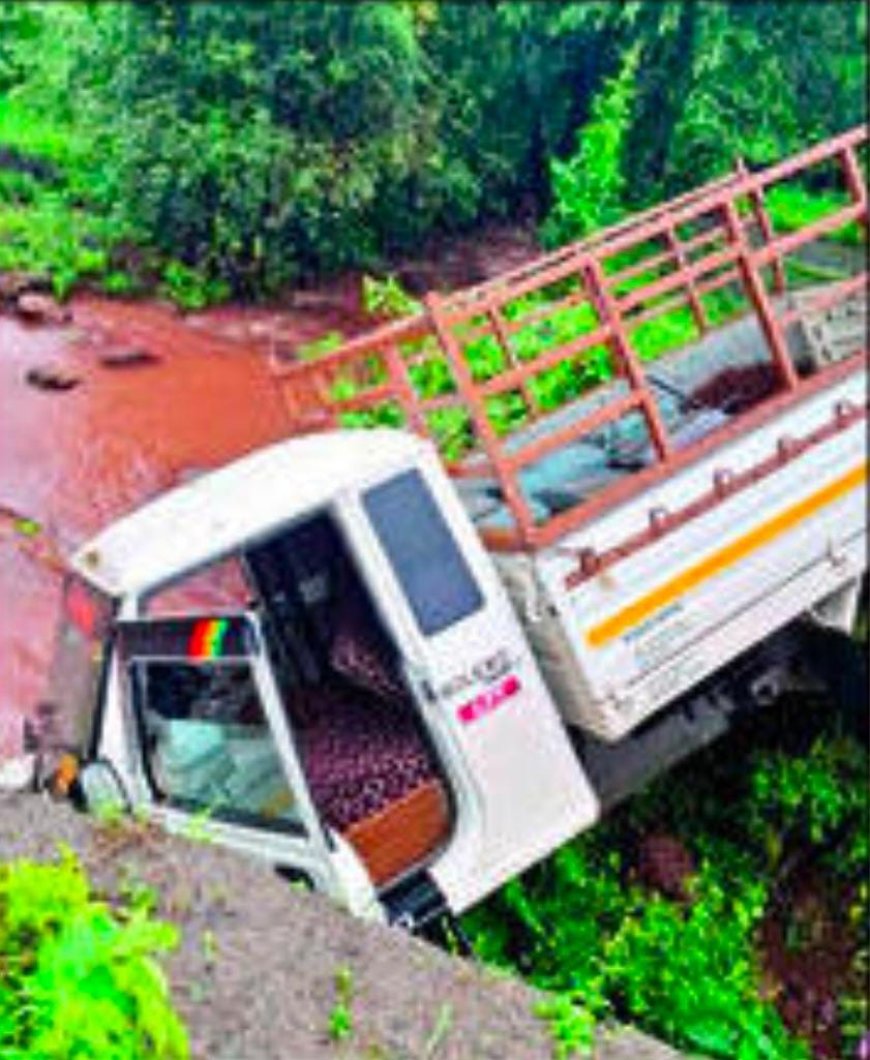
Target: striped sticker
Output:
[(207, 638), (634, 613)]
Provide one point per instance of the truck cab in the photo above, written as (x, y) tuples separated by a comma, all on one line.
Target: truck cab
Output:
[(309, 656)]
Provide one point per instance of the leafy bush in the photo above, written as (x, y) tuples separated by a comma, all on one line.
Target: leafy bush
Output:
[(251, 143), (583, 927), (685, 973), (387, 298), (762, 83), (588, 188), (78, 979), (190, 289), (808, 799), (50, 238)]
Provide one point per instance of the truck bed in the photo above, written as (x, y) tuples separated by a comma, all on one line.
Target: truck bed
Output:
[(699, 389), (656, 605), (659, 433)]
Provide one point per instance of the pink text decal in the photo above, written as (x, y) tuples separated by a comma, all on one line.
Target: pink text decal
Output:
[(489, 701)]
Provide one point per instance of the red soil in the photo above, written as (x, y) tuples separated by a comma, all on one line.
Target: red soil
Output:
[(195, 394)]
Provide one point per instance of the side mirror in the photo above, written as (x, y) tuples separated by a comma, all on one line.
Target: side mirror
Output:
[(102, 790)]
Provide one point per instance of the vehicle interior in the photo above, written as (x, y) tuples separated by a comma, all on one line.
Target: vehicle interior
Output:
[(371, 771), (208, 744)]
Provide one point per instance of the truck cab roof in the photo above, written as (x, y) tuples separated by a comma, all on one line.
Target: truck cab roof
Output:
[(209, 516)]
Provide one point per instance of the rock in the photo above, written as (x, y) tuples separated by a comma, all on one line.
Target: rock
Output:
[(261, 329), (52, 376), (306, 301), (15, 284), (41, 309), (132, 357), (665, 865), (17, 774)]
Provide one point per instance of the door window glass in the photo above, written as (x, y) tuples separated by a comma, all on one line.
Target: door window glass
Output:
[(418, 543), (207, 742)]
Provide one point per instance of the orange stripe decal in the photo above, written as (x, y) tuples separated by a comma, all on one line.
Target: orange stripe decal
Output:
[(726, 556)]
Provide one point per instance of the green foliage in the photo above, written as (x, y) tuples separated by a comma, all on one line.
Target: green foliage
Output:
[(319, 347), (387, 298), (588, 189), (240, 146), (50, 238), (571, 1025), (808, 799), (758, 80), (687, 974), (47, 221), (692, 973), (341, 1017), (552, 388), (677, 328), (190, 289), (791, 207), (582, 927), (76, 978)]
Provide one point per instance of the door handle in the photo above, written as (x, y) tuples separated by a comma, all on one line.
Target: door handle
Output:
[(420, 682)]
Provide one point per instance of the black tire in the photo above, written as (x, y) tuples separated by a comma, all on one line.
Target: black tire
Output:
[(840, 661)]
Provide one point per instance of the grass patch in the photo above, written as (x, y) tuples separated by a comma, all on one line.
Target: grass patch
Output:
[(58, 215), (791, 207), (54, 204), (588, 927), (32, 135), (78, 979), (48, 236)]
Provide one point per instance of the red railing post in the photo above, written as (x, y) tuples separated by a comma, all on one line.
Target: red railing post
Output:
[(756, 200), (403, 388), (695, 303), (758, 296), (497, 321), (625, 354), (477, 410), (855, 181)]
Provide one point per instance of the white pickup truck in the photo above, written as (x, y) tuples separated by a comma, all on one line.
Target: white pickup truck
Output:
[(405, 675)]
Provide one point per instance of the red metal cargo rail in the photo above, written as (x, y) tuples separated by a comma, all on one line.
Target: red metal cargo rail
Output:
[(504, 374)]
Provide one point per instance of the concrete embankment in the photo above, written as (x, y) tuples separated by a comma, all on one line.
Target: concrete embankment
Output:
[(254, 976)]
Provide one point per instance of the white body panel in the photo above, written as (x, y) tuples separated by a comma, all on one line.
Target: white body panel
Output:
[(704, 592), (517, 786), (519, 789), (215, 514)]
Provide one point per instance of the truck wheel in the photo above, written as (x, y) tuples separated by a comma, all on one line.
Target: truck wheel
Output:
[(840, 661)]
